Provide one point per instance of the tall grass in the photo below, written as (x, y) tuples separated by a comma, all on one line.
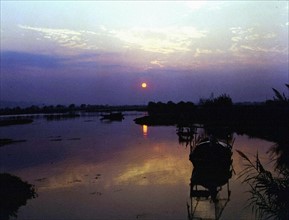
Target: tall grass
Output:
[(269, 194)]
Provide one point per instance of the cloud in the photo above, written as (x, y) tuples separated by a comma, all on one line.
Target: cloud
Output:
[(158, 63), (195, 5), (71, 39), (150, 47), (12, 60), (156, 40), (91, 63), (160, 40), (253, 42), (199, 52), (65, 37), (60, 34), (198, 5)]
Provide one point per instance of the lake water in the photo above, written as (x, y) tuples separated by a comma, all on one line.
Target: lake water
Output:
[(84, 168)]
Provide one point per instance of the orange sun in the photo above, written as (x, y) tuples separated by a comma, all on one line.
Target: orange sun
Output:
[(143, 85)]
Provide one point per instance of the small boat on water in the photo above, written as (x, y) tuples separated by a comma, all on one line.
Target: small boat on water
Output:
[(207, 182), (186, 134), (113, 116), (211, 152), (212, 169)]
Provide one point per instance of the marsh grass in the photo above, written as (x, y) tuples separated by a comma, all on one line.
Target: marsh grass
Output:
[(14, 193), (269, 193)]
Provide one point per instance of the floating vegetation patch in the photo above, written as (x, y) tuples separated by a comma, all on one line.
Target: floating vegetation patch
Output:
[(15, 121), (96, 193), (6, 141), (74, 181), (41, 179), (74, 139), (56, 139)]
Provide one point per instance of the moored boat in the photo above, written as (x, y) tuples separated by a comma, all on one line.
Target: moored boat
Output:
[(211, 152), (113, 116)]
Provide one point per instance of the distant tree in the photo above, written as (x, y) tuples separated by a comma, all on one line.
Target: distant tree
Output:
[(223, 100), (205, 102), (170, 103), (48, 109), (32, 109), (71, 106), (60, 106), (83, 106)]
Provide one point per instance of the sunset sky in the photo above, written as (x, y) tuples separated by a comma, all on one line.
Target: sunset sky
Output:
[(100, 52)]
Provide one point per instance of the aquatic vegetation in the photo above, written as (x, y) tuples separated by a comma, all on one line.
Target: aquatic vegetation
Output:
[(6, 141), (269, 194), (280, 97), (13, 194), (15, 121)]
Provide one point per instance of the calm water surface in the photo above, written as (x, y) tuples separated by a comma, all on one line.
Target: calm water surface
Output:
[(87, 169)]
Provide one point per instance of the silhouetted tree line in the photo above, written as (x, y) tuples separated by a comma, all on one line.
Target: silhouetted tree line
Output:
[(222, 100), (220, 110), (212, 110), (37, 109), (170, 108), (72, 108)]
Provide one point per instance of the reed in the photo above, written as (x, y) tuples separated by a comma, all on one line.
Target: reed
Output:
[(269, 194)]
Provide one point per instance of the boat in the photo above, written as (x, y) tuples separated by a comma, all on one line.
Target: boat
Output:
[(186, 134), (207, 190), (113, 116), (212, 169), (211, 152)]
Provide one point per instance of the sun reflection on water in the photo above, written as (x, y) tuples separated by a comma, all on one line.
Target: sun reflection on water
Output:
[(145, 130)]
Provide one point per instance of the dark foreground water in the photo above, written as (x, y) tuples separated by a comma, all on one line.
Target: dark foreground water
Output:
[(84, 168)]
